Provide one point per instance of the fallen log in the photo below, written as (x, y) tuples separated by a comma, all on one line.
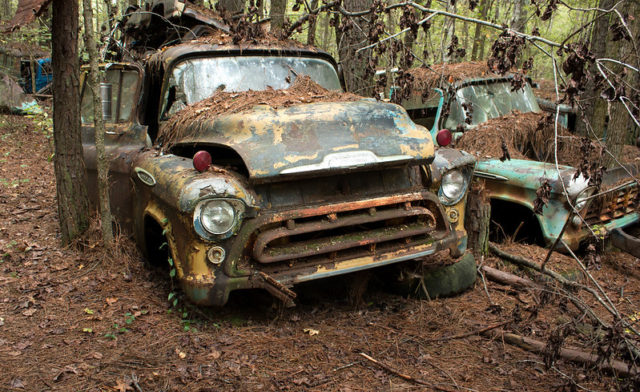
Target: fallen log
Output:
[(529, 264), (570, 354), (472, 333), (517, 282), (506, 278)]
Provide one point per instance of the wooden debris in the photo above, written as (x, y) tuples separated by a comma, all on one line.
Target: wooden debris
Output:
[(569, 354)]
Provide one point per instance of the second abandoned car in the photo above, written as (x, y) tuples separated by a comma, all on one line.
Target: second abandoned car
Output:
[(285, 192), (485, 110)]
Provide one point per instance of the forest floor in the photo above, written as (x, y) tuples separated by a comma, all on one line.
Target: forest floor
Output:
[(81, 319)]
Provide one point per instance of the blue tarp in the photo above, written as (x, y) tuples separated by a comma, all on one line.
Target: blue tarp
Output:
[(43, 76)]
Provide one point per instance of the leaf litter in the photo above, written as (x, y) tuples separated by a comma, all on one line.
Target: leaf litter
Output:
[(251, 344)]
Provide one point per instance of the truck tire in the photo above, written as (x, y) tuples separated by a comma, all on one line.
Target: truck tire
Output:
[(441, 282)]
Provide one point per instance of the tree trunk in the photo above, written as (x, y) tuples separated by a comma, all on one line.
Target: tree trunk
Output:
[(593, 108), (232, 6), (73, 202), (101, 160), (477, 220), (348, 42), (311, 33), (325, 32), (519, 19), (6, 10), (620, 121), (276, 13), (477, 36), (112, 12)]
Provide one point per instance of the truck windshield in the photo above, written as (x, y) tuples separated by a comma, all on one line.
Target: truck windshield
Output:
[(487, 101), (196, 79)]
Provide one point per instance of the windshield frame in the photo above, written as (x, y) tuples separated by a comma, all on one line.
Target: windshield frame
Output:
[(275, 52)]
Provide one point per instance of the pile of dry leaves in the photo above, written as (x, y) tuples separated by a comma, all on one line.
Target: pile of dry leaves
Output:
[(526, 136), (302, 91), (435, 75)]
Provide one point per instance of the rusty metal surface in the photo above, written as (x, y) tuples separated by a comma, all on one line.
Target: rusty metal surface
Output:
[(27, 12), (316, 137), (351, 231), (606, 208), (356, 224), (516, 181)]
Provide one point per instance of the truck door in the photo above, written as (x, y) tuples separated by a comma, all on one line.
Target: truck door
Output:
[(120, 90)]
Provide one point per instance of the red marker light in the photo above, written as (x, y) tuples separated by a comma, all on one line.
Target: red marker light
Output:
[(201, 160), (444, 137)]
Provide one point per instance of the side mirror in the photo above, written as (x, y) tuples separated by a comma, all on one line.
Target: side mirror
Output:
[(106, 90)]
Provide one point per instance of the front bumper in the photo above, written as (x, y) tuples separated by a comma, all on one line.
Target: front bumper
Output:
[(271, 251)]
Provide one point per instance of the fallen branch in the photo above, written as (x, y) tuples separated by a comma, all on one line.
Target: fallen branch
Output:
[(529, 264), (402, 375), (472, 333), (570, 354), (506, 278), (519, 282), (608, 304)]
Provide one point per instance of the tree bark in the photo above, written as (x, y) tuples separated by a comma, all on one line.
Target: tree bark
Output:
[(478, 38), (232, 6), (313, 22), (348, 42), (6, 10), (519, 19), (73, 202), (101, 160), (594, 108), (276, 13), (477, 220), (620, 121)]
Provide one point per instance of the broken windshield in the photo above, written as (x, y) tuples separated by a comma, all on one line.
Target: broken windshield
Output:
[(482, 102), (196, 79)]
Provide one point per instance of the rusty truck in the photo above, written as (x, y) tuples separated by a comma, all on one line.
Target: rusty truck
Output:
[(268, 196)]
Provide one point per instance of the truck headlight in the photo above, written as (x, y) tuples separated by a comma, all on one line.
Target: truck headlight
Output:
[(581, 199), (453, 187), (217, 216)]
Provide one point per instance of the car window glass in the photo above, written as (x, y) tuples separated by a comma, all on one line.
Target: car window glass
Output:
[(123, 85), (489, 101), (193, 80), (128, 94)]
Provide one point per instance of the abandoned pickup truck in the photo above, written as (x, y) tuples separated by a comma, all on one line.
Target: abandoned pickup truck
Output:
[(491, 117), (251, 183)]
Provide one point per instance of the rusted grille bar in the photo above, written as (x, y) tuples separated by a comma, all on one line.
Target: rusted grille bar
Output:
[(608, 207), (360, 230)]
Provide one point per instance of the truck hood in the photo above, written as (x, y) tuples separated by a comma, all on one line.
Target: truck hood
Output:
[(530, 174), (313, 138)]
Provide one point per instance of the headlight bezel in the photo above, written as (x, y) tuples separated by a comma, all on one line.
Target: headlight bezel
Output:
[(583, 198), (448, 199), (238, 207)]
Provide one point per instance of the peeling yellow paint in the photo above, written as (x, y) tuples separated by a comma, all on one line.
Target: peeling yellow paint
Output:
[(197, 260), (346, 147), (156, 213), (277, 134), (297, 158), (366, 260)]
